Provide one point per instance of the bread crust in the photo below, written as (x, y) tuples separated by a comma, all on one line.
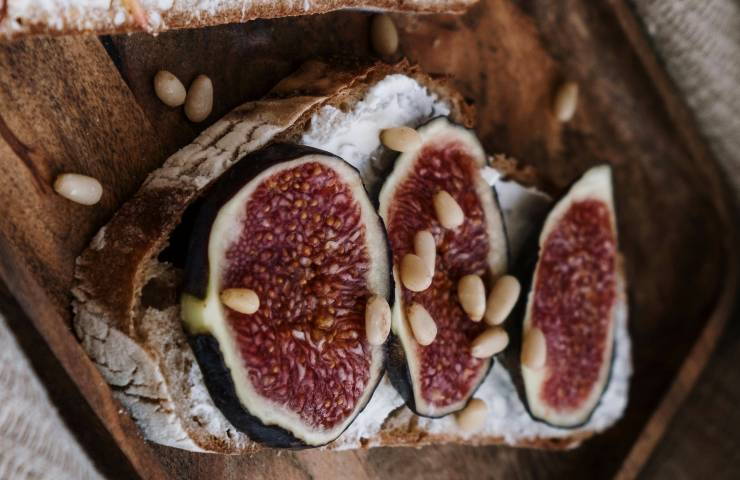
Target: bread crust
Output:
[(126, 305), (21, 17)]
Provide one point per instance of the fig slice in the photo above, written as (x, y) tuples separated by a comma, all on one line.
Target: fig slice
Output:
[(567, 333), (440, 378), (295, 226)]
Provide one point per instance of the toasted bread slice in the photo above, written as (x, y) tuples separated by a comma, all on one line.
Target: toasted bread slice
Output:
[(56, 17), (127, 310)]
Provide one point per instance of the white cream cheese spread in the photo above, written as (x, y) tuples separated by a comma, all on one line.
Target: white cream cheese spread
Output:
[(354, 136)]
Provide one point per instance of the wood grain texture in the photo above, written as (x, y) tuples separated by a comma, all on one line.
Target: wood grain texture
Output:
[(509, 58), (243, 61), (506, 57), (55, 119), (703, 441), (699, 356)]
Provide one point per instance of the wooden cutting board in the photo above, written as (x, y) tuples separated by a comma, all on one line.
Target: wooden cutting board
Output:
[(86, 105)]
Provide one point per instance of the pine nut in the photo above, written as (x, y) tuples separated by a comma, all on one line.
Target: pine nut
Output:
[(492, 341), (401, 139), (566, 101), (472, 418), (169, 89), (534, 349), (501, 300), (426, 248), (377, 320), (448, 211), (199, 100), (242, 300), (414, 273), (472, 296), (422, 324), (79, 188), (383, 35)]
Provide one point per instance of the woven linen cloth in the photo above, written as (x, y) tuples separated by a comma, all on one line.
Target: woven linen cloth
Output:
[(699, 42), (34, 443)]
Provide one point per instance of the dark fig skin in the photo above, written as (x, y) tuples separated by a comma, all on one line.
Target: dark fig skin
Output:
[(220, 386), (511, 357), (216, 375), (398, 370), (503, 222), (398, 373)]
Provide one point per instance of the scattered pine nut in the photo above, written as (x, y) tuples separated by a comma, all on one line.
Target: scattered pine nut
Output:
[(566, 101), (534, 349), (472, 296), (377, 320), (401, 139), (422, 324), (449, 213), (79, 188), (169, 89), (199, 100), (472, 418), (492, 341), (242, 300), (426, 248), (414, 273), (383, 35), (501, 300)]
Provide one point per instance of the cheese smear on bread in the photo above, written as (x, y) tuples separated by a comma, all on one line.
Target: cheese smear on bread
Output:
[(354, 135)]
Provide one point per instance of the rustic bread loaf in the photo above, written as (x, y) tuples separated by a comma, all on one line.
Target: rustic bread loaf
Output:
[(23, 17), (127, 309)]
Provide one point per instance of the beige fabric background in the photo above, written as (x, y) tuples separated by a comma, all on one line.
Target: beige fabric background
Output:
[(34, 443), (699, 41)]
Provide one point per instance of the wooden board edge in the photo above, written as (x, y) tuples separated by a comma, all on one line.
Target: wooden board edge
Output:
[(49, 313), (684, 382), (688, 134), (698, 358)]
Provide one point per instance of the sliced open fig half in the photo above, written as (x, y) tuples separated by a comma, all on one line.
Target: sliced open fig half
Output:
[(286, 252), (567, 333), (437, 188)]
